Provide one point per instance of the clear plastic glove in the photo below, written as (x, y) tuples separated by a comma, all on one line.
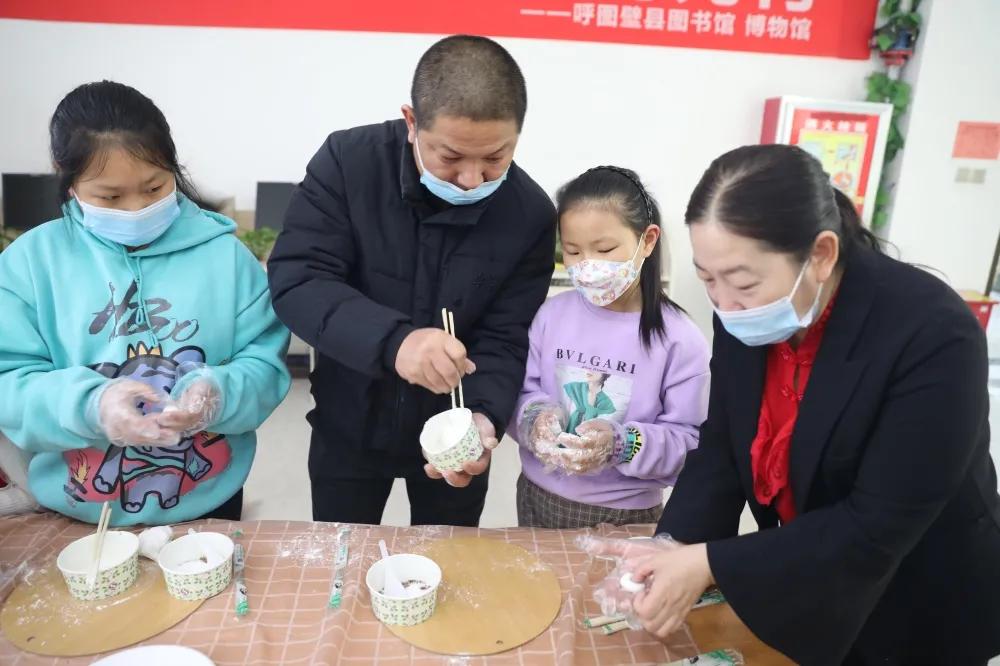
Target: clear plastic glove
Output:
[(541, 424), (674, 580), (588, 451), (125, 414), (630, 557), (196, 409)]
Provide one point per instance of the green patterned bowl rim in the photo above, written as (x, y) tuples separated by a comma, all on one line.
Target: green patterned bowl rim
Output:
[(223, 545), (179, 585), (130, 550), (434, 583), (467, 415)]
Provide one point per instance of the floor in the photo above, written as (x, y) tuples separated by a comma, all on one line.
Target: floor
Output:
[(278, 487)]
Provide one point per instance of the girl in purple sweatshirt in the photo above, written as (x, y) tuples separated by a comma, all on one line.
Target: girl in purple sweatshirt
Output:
[(617, 377)]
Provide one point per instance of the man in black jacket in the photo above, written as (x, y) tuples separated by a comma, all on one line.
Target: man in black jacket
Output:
[(392, 223)]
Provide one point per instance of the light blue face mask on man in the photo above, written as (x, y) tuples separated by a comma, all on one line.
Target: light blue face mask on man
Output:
[(454, 194), (771, 323), (131, 228)]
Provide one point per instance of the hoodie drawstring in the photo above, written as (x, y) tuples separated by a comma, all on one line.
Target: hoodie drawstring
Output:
[(142, 313)]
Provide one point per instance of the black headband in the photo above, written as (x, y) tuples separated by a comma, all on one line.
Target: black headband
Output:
[(635, 181)]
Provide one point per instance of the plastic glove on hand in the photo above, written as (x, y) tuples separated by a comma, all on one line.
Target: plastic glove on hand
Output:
[(197, 408), (124, 415)]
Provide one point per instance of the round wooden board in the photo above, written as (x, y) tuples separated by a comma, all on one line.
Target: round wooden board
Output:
[(40, 616), (494, 597)]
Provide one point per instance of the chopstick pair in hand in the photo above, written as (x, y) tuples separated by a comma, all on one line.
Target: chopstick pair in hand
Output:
[(448, 317)]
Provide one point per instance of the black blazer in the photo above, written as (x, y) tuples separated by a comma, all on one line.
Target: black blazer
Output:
[(895, 555)]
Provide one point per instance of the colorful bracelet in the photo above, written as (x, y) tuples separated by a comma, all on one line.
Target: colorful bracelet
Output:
[(632, 445)]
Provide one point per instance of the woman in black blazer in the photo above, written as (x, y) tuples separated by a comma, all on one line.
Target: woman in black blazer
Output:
[(893, 553)]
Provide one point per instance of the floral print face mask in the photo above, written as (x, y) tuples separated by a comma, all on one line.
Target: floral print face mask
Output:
[(603, 282)]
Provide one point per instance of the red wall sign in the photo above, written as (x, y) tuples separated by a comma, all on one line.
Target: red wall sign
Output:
[(835, 28), (977, 141)]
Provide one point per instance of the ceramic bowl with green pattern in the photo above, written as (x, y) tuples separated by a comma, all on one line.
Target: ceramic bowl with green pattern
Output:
[(420, 576), (118, 571), (450, 439), (197, 566)]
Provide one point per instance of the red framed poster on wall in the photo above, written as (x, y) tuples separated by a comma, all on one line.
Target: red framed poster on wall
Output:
[(832, 28), (847, 137)]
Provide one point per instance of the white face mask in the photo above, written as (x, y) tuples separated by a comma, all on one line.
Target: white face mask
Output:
[(603, 282), (771, 323)]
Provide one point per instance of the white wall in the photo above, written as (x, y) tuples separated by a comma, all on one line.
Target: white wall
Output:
[(936, 221), (248, 105)]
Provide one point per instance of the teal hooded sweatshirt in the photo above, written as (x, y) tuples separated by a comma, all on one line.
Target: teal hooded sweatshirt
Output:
[(78, 312)]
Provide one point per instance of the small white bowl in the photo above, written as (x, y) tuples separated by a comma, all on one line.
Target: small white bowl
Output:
[(450, 439), (156, 655), (119, 567), (188, 577), (410, 610)]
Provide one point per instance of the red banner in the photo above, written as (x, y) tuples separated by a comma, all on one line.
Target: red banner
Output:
[(836, 28)]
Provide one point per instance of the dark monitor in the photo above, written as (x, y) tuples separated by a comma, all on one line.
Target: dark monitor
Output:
[(29, 199), (272, 202)]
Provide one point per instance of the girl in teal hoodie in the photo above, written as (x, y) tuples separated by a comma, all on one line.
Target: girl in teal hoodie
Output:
[(138, 349)]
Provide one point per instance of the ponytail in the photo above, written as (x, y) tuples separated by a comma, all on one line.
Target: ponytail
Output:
[(853, 232)]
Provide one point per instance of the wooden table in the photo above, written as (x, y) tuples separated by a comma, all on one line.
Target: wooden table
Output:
[(718, 628), (289, 572)]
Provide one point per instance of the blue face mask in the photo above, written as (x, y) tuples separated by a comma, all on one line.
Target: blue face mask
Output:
[(771, 323), (454, 194), (132, 228)]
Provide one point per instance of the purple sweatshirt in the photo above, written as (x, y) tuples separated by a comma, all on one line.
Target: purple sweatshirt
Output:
[(592, 362)]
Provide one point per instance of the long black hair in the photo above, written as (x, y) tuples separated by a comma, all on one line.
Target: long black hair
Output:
[(621, 191), (778, 195), (98, 116)]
